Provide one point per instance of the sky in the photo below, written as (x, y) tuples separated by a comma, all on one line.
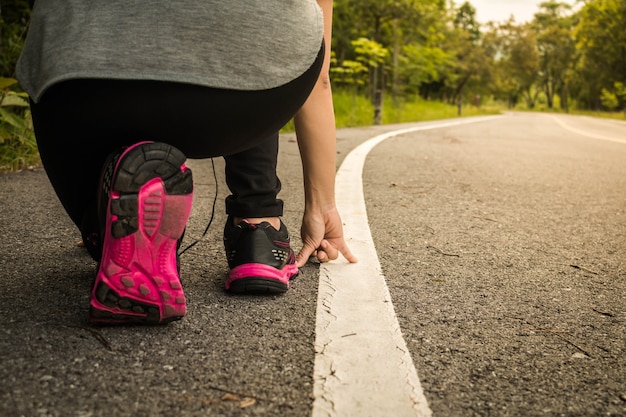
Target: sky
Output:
[(501, 10)]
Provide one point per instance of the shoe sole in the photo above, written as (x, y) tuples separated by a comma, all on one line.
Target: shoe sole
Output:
[(260, 279), (150, 200)]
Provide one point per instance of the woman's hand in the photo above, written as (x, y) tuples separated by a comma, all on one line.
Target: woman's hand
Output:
[(322, 236)]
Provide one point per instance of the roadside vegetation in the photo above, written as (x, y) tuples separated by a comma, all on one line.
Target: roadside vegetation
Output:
[(18, 149), (400, 61)]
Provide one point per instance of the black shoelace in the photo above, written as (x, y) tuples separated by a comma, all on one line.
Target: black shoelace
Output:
[(210, 219)]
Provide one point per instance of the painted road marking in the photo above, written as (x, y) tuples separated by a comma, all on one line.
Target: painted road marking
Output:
[(587, 134), (362, 364)]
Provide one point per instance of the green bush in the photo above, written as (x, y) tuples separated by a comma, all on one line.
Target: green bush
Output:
[(18, 148), (352, 109)]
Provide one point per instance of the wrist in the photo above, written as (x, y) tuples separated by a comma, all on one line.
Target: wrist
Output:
[(319, 198), (319, 207)]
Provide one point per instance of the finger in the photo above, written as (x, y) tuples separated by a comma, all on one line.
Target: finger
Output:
[(303, 256), (349, 256), (331, 252), (347, 253), (322, 256)]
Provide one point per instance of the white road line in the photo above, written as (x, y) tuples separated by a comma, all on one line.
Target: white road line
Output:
[(362, 364), (587, 134)]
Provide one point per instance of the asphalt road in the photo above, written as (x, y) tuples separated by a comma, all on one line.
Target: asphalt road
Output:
[(503, 244)]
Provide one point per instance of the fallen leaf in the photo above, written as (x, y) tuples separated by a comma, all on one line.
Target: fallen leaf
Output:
[(247, 402), (579, 355), (230, 397)]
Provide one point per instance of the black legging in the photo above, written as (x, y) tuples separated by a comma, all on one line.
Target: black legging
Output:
[(78, 123)]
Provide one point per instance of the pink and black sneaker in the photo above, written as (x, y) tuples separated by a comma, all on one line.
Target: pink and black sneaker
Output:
[(146, 194), (260, 258)]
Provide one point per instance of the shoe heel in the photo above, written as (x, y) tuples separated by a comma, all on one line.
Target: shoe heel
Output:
[(149, 205), (260, 258)]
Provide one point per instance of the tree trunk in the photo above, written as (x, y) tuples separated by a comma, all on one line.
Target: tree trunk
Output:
[(565, 98), (549, 90), (396, 54), (378, 108)]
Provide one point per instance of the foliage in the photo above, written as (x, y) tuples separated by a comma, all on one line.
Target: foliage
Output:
[(14, 17), (348, 72), (614, 98), (352, 109), (418, 110), (439, 51), (557, 50), (18, 148), (601, 42), (609, 99), (369, 57), (422, 65)]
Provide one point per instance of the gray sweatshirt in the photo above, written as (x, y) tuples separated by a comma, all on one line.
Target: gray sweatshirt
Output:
[(234, 44)]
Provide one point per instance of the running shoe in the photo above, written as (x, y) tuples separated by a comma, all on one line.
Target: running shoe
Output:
[(260, 258), (145, 200)]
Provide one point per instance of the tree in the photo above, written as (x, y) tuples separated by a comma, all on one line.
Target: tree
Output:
[(614, 98), (422, 65), (473, 65), (391, 24), (556, 48), (371, 55), (438, 50), (465, 19), (517, 62), (601, 41)]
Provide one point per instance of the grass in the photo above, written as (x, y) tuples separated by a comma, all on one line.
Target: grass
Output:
[(542, 107), (599, 114), (18, 154), (589, 113), (352, 110), (422, 110)]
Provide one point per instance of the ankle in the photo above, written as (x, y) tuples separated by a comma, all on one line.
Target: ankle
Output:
[(274, 221)]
